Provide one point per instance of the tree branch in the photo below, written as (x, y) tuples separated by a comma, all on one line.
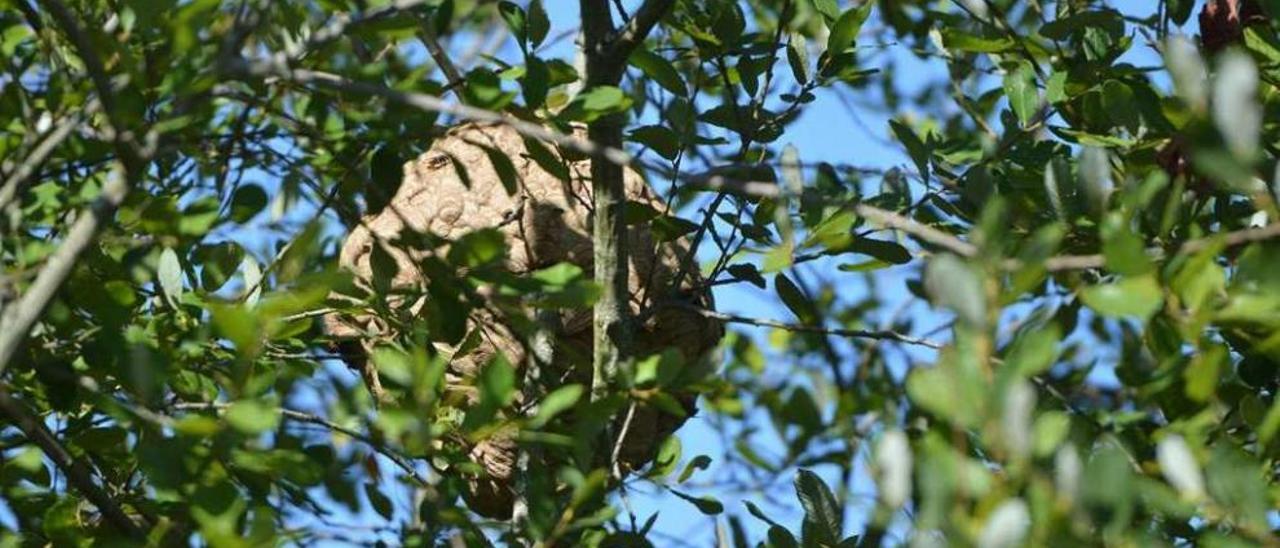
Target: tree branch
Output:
[(952, 243), (886, 335), (427, 34), (344, 23), (606, 56), (17, 178), (97, 72), (298, 416), (79, 474), (17, 320), (422, 101), (637, 28)]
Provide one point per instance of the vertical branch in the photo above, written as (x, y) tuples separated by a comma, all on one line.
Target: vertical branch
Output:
[(606, 54), (611, 332)]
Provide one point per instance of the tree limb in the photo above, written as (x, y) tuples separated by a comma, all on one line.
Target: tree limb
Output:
[(17, 178), (79, 474), (427, 34), (633, 33), (17, 319)]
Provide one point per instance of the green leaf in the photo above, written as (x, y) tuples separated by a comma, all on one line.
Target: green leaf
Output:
[(1131, 297), (252, 417), (952, 283), (498, 383), (1204, 372), (505, 169), (1050, 430), (386, 172), (478, 248), (537, 23), (792, 171), (795, 299), (957, 40), (830, 9), (1035, 350), (383, 269), (380, 502), (1180, 10), (484, 90), (1122, 248), (889, 252), (603, 98), (546, 159), (664, 463), (1020, 87), (779, 537), (169, 274), (218, 263), (1235, 105), (558, 401), (668, 228), (706, 504), (798, 57), (845, 30), (801, 410), (660, 70), (1095, 171), (658, 138), (820, 507), (700, 462), (1055, 90), (747, 272), (941, 391), (247, 202), (515, 17), (535, 82), (915, 147)]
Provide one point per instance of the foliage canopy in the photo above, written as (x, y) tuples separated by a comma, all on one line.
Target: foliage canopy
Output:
[(1052, 319)]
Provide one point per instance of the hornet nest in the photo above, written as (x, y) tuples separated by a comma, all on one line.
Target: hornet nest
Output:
[(546, 221)]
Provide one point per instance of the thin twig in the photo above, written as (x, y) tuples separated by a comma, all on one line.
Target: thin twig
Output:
[(430, 103), (299, 416), (805, 328)]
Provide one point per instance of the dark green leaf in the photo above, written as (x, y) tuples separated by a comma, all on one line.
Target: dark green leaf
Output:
[(660, 70), (536, 80), (795, 299), (915, 147), (747, 272), (820, 507), (889, 252), (515, 17), (386, 171), (537, 23), (248, 200), (505, 169), (659, 138), (706, 504)]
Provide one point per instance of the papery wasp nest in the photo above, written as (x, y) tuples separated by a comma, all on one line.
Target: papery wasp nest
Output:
[(453, 190)]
